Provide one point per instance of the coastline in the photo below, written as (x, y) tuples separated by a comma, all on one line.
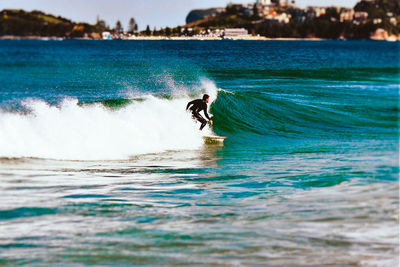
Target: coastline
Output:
[(184, 38), (32, 37)]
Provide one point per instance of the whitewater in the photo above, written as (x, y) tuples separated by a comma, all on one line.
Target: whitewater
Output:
[(75, 131)]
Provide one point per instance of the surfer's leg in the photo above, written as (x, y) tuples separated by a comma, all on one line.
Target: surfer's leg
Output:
[(203, 123), (201, 120)]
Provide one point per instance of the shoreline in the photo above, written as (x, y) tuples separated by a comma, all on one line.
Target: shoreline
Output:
[(184, 38), (161, 38), (32, 37)]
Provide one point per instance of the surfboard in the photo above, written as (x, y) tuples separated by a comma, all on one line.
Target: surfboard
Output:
[(213, 139)]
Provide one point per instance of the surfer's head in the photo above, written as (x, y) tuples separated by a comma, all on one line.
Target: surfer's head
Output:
[(206, 98)]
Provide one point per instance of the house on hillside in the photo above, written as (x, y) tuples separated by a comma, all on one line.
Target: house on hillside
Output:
[(360, 17), (346, 14)]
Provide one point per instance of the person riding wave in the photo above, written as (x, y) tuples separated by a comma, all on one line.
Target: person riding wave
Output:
[(197, 106)]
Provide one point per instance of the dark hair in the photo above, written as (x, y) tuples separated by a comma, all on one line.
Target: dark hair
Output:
[(205, 97)]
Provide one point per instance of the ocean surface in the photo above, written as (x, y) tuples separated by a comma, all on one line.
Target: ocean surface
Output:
[(101, 165)]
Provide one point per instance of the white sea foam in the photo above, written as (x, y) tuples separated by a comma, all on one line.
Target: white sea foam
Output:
[(93, 132)]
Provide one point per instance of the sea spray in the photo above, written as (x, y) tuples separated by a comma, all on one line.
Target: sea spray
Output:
[(209, 87), (94, 132)]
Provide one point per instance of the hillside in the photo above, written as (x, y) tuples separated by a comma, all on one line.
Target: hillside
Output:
[(37, 23), (200, 14), (332, 24)]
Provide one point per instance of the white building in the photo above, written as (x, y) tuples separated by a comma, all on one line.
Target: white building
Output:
[(274, 16), (263, 2), (106, 36), (347, 14), (235, 33), (284, 2)]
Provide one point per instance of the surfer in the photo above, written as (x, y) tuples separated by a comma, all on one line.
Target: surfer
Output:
[(197, 106)]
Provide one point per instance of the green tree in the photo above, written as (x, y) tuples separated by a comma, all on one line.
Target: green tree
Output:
[(372, 8), (255, 12), (147, 31), (168, 31), (118, 27), (100, 25), (133, 27), (177, 31), (332, 12)]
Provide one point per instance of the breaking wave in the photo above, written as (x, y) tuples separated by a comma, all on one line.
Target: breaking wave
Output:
[(96, 131)]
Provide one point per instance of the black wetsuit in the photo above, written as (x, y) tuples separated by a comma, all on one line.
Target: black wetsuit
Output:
[(197, 106)]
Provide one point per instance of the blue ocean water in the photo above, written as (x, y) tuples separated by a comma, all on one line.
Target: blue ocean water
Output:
[(102, 165)]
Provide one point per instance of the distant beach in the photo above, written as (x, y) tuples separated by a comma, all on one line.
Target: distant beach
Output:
[(160, 38)]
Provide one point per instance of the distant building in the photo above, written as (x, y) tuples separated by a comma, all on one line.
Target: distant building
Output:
[(360, 17), (263, 2), (284, 3), (275, 2), (106, 36), (235, 33), (318, 11), (273, 16), (379, 35), (346, 14), (248, 9)]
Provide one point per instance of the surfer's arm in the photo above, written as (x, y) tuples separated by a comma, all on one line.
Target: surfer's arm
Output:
[(188, 105), (208, 117), (206, 114)]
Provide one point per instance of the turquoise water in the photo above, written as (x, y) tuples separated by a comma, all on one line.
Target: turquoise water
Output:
[(101, 165)]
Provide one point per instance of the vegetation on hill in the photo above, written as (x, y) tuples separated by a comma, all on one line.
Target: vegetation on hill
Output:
[(378, 8), (37, 23), (198, 14), (326, 26)]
